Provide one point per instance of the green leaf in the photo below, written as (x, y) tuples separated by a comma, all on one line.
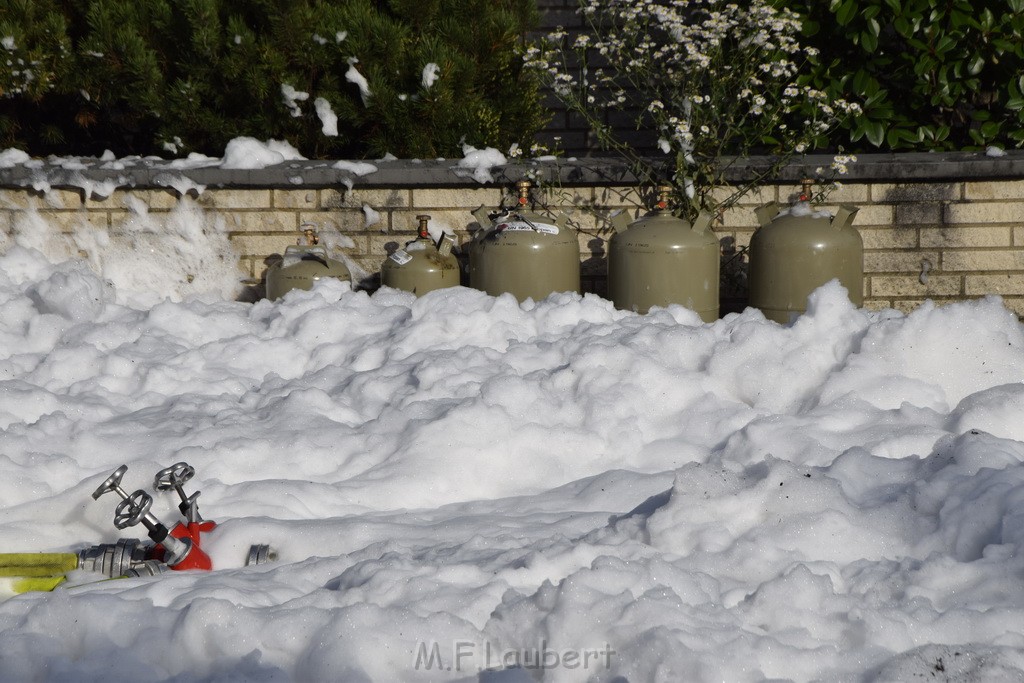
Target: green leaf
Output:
[(945, 44), (987, 20), (990, 129), (868, 41), (976, 64), (846, 12), (875, 133)]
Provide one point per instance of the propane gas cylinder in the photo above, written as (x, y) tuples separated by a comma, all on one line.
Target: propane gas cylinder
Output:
[(661, 259), (524, 253), (799, 249), (422, 265), (301, 266)]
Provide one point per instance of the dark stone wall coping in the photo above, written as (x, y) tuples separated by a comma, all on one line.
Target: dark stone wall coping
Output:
[(101, 175)]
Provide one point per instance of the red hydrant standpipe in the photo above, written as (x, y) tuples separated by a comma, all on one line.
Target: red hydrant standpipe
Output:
[(180, 550), (176, 549)]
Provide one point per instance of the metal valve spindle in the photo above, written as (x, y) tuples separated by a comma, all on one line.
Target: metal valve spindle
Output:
[(174, 477), (523, 187), (424, 221), (134, 508)]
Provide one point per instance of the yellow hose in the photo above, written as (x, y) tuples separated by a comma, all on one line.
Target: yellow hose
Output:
[(37, 564)]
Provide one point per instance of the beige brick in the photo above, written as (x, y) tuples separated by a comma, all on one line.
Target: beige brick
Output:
[(345, 220), (1011, 283), (897, 261), (889, 238), (756, 197), (252, 266), (1018, 236), (982, 213), (151, 200), (918, 213), (627, 196), (965, 237), (872, 214), (982, 260), (356, 198), (262, 221), (261, 245), (570, 198), (910, 285), (588, 221), (469, 198), (739, 217), (295, 199), (915, 192), (908, 305), (999, 189), (877, 304), (214, 198), (63, 199), (159, 200), (11, 198), (69, 221)]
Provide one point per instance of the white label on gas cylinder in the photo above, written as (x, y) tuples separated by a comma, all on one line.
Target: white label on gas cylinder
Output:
[(546, 228), (401, 257)]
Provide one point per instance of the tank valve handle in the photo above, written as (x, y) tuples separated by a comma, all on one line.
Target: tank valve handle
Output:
[(423, 219), (309, 233), (174, 477), (806, 189), (664, 193), (179, 553), (523, 187)]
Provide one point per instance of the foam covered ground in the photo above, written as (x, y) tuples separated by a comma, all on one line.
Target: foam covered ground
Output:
[(459, 482)]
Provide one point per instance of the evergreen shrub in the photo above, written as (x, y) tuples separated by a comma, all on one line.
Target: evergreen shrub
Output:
[(414, 78), (929, 75)]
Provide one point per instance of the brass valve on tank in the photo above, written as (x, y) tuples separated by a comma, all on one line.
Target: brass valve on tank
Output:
[(309, 234), (806, 190), (424, 219), (664, 194), (523, 187)]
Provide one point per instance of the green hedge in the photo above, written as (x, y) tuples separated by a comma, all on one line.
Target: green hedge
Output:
[(930, 74), (149, 76)]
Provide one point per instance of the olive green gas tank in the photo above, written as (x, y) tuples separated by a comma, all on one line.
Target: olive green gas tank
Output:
[(301, 266), (526, 254), (661, 259), (797, 250), (422, 266)]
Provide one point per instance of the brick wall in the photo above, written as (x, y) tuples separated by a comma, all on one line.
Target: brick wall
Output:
[(928, 236)]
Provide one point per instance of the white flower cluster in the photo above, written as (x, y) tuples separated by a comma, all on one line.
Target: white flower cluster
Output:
[(710, 77)]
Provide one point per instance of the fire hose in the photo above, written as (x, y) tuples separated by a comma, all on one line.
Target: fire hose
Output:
[(171, 549)]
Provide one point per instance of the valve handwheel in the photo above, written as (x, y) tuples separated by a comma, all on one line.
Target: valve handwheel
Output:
[(132, 509), (111, 483), (174, 476)]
